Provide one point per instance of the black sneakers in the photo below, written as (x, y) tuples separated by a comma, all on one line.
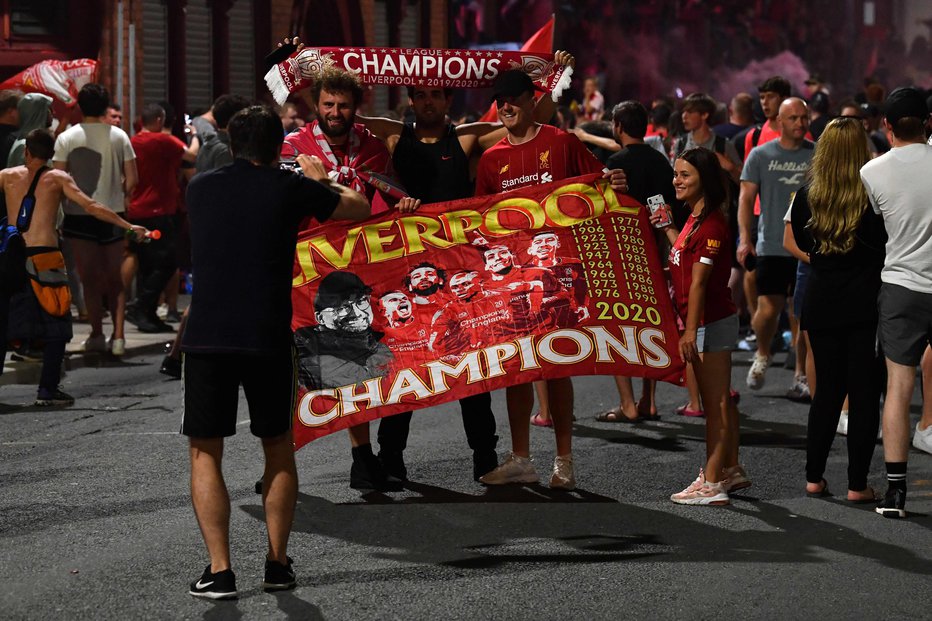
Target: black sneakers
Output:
[(893, 503), (221, 585), (171, 367), (55, 397), (279, 577)]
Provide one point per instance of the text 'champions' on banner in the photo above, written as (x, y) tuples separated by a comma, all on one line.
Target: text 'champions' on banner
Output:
[(408, 311)]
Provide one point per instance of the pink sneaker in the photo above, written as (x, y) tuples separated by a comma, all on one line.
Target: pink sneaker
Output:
[(701, 492)]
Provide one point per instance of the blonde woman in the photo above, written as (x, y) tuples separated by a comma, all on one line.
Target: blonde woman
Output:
[(834, 224)]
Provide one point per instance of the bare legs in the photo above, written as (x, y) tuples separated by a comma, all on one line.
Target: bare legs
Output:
[(713, 373), (520, 400), (99, 270), (212, 502)]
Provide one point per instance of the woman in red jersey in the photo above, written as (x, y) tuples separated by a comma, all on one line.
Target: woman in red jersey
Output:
[(699, 268)]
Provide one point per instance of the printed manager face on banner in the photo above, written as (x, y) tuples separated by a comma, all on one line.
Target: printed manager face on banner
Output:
[(474, 295)]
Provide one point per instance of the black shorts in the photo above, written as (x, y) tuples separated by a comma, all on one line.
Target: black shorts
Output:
[(776, 275), (905, 326), (90, 228), (211, 393)]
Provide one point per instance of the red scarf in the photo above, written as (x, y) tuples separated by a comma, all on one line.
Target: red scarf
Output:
[(416, 67), (365, 166)]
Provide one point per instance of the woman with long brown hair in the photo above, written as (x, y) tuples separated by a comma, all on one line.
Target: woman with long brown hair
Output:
[(700, 265), (834, 224)]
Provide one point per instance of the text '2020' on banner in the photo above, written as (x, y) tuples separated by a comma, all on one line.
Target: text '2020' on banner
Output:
[(407, 311)]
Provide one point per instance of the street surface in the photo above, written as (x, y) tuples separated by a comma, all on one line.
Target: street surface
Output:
[(97, 524)]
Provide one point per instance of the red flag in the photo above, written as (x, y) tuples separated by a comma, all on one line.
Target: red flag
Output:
[(541, 41), (58, 79)]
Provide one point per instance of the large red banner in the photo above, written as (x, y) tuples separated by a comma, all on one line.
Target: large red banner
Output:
[(408, 311)]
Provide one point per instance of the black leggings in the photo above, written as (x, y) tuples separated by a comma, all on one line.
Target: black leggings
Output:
[(847, 363)]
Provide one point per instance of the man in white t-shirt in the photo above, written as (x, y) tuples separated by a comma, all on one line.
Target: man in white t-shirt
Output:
[(101, 159), (899, 186)]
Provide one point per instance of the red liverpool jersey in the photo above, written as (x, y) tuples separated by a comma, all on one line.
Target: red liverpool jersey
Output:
[(552, 155), (711, 245)]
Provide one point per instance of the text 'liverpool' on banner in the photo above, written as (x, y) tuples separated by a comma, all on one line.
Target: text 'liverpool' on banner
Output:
[(407, 311)]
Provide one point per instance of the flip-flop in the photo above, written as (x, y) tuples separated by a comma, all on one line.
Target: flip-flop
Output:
[(615, 416), (822, 493), (540, 421), (874, 497), (684, 410)]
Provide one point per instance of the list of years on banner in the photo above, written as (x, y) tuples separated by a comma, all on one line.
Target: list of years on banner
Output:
[(624, 295)]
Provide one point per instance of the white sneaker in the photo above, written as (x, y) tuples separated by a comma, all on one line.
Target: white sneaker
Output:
[(756, 373), (701, 492), (563, 477), (922, 439), (736, 478), (117, 347), (95, 343), (842, 428), (799, 391), (514, 469)]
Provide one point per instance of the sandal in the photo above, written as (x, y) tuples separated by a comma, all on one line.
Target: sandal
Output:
[(822, 492), (685, 410), (863, 500), (615, 415), (539, 421)]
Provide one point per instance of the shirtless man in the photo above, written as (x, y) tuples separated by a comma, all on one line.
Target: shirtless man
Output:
[(41, 238)]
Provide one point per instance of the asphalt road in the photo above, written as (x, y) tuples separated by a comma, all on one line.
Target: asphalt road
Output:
[(96, 523)]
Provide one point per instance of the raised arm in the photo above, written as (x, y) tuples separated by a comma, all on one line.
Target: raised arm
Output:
[(386, 130), (608, 144)]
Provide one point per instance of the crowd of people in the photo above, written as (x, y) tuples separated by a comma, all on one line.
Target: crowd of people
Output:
[(776, 211)]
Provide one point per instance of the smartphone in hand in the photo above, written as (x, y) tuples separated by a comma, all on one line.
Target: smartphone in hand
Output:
[(655, 203), (279, 54)]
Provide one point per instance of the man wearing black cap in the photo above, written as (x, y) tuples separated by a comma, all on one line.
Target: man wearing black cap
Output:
[(532, 154), (899, 185), (244, 227)]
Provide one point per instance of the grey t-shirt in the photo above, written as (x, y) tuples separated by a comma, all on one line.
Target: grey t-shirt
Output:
[(730, 151), (778, 174), (94, 154)]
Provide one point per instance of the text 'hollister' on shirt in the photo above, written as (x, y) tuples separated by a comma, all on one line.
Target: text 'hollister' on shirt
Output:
[(778, 173), (552, 155)]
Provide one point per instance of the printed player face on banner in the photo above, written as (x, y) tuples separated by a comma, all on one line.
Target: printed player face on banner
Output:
[(544, 246), (396, 307), (425, 280), (453, 318), (464, 285), (337, 112), (498, 259)]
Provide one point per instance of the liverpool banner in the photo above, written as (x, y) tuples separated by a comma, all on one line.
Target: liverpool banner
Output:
[(407, 311)]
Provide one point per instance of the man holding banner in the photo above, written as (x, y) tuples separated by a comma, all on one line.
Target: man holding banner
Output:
[(531, 154), (354, 157)]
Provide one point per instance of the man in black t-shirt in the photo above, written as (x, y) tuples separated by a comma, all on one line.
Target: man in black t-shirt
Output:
[(244, 227), (649, 173)]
